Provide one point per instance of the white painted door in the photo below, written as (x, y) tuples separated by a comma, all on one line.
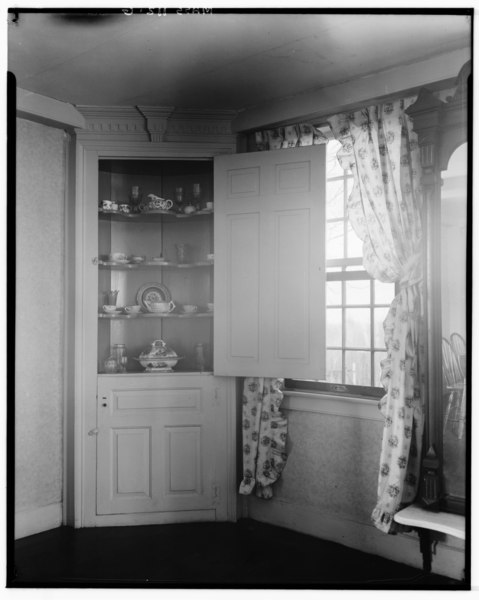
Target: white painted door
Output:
[(161, 444), (270, 264)]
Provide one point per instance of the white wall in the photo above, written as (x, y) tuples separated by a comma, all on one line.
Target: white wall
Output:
[(40, 181)]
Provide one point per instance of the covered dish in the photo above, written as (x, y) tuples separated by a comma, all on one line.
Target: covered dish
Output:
[(159, 357)]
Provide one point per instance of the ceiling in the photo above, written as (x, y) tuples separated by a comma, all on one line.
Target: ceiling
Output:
[(230, 60)]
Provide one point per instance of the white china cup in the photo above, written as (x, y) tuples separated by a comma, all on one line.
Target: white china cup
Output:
[(134, 309), (106, 204), (190, 308), (118, 256)]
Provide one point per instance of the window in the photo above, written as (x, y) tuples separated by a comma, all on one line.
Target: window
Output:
[(356, 305)]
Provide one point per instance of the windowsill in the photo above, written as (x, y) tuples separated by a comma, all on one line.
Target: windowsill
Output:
[(416, 516), (332, 404)]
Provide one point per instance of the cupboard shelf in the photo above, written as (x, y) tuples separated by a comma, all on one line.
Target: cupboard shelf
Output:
[(151, 216), (156, 316), (103, 264)]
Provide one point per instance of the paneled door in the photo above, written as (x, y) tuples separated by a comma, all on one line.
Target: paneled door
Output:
[(269, 263), (161, 444)]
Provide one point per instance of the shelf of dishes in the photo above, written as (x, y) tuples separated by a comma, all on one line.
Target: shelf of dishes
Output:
[(119, 215), (107, 264), (122, 314), (120, 260), (153, 205)]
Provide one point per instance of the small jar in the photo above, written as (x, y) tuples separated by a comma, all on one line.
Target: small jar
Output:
[(119, 353), (110, 364), (199, 357)]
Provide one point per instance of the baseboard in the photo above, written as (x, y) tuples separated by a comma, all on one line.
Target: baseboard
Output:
[(448, 559), (29, 522)]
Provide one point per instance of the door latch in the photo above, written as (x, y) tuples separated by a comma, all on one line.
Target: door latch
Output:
[(93, 431)]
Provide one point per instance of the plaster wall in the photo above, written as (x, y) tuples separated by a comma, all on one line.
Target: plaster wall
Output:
[(328, 487), (40, 181)]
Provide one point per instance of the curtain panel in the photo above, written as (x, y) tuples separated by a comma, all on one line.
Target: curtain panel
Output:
[(303, 134), (384, 208), (264, 435)]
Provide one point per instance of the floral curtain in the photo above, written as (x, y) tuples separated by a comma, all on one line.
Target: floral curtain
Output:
[(384, 208), (264, 435), (303, 134)]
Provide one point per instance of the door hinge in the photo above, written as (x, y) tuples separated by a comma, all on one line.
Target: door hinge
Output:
[(217, 398)]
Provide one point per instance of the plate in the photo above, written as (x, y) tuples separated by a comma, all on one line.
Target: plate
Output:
[(152, 292)]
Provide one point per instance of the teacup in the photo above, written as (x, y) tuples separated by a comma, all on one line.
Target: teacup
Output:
[(209, 205), (110, 308), (125, 208), (190, 308), (133, 309), (189, 209), (137, 259), (210, 306), (118, 256), (106, 204), (160, 307)]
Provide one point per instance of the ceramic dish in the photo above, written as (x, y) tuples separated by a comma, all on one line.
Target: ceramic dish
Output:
[(152, 292)]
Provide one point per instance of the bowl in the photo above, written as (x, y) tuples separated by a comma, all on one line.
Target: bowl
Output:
[(110, 308), (133, 309)]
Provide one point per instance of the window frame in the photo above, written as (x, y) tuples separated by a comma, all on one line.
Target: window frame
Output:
[(334, 388)]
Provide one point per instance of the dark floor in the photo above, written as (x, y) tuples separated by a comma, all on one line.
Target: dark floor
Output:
[(246, 554)]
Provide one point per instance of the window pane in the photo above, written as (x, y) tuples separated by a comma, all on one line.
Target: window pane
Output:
[(349, 184), (334, 327), (333, 168), (335, 239), (358, 292), (334, 368), (378, 357), (334, 293), (335, 199), (383, 292), (358, 327), (358, 368), (379, 316), (355, 245)]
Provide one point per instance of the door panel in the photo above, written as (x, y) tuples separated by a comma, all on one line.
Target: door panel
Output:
[(270, 264), (159, 443)]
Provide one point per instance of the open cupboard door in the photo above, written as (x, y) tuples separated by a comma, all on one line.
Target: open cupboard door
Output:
[(270, 264)]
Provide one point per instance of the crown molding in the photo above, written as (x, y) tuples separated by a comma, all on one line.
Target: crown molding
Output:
[(156, 124)]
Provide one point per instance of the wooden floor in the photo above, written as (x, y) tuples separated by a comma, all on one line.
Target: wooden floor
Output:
[(246, 554)]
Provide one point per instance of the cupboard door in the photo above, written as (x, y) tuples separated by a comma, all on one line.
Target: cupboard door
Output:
[(270, 264), (158, 446)]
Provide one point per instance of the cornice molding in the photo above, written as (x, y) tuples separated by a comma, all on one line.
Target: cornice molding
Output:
[(157, 124)]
